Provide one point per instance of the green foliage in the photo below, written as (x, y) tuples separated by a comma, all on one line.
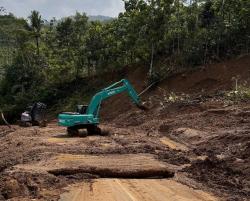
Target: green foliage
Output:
[(23, 81), (38, 57), (174, 98), (241, 93), (9, 27), (36, 23)]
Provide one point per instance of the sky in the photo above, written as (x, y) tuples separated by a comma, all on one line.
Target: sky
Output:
[(63, 8)]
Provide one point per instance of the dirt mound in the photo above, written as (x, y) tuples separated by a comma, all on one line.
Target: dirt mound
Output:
[(118, 104), (213, 171), (27, 184), (116, 173), (5, 130)]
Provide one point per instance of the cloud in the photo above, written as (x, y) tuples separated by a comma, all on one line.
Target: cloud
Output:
[(63, 8)]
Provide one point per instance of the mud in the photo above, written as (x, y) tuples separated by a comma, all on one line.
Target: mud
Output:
[(115, 173), (199, 143), (209, 151)]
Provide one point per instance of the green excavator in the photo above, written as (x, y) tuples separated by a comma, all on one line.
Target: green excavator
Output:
[(87, 116)]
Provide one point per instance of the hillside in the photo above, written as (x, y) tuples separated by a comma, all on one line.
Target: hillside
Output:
[(189, 144), (210, 80), (100, 18), (187, 138), (9, 27), (39, 57)]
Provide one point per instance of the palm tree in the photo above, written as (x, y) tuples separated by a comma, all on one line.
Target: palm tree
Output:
[(36, 23)]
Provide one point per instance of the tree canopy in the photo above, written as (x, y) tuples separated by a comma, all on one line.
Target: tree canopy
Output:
[(39, 55)]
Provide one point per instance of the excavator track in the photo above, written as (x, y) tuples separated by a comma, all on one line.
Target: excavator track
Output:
[(94, 130), (72, 131), (91, 130)]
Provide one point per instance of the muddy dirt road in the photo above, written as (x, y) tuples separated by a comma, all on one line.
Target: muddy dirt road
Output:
[(189, 151), (134, 190)]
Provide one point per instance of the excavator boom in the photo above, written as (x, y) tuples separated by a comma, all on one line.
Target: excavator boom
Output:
[(112, 90)]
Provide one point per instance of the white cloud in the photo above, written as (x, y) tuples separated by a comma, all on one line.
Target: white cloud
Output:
[(63, 8)]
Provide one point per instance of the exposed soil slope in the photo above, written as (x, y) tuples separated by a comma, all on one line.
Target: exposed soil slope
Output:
[(193, 148), (206, 80)]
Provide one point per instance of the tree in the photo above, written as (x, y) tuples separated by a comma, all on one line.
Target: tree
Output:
[(80, 26), (174, 33), (36, 23), (2, 10), (70, 38), (94, 45)]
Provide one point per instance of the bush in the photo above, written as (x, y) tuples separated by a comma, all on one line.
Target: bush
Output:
[(242, 93)]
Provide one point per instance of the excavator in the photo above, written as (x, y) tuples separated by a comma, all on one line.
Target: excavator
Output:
[(87, 116)]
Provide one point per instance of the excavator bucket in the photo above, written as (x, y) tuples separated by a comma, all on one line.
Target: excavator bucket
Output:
[(142, 106)]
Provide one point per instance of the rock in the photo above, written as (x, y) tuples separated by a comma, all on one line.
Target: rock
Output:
[(189, 132), (13, 189)]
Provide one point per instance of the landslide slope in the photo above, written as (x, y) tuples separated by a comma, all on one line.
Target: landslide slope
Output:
[(192, 144)]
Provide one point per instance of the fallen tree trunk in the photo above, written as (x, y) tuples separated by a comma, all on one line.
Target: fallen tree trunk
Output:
[(4, 120)]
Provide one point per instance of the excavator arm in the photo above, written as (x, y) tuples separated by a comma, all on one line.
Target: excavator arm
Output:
[(112, 90)]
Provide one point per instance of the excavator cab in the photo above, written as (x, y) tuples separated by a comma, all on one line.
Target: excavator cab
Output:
[(34, 115), (81, 109)]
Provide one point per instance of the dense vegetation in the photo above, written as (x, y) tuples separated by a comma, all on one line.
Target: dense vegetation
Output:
[(38, 56)]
